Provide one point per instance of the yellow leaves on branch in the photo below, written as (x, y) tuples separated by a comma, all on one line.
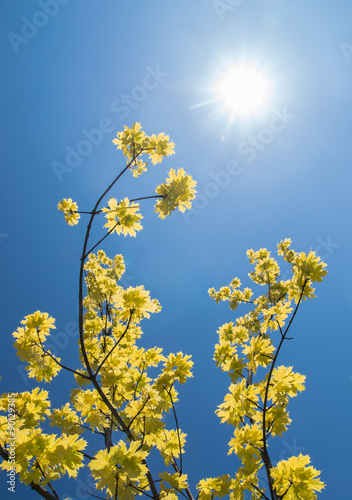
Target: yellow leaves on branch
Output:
[(123, 217), (38, 321), (177, 192), (30, 344), (215, 487), (91, 408), (266, 268), (133, 142), (102, 275), (69, 209), (232, 294), (240, 402), (31, 407), (136, 301), (247, 443), (258, 352), (258, 408), (284, 382), (306, 269), (176, 368), (274, 317), (66, 419), (176, 481), (295, 478), (170, 445), (119, 468), (160, 146), (40, 457)]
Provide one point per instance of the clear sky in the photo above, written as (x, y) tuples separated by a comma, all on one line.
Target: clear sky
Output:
[(70, 67)]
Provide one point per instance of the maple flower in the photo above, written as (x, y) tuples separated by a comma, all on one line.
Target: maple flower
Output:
[(69, 209), (177, 192), (123, 217)]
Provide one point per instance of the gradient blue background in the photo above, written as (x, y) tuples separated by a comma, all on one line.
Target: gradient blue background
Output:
[(67, 78)]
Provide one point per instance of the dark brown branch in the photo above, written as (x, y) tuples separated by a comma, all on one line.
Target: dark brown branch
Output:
[(103, 238), (36, 487), (265, 454), (187, 490), (139, 411), (138, 382), (260, 491), (174, 463), (48, 353), (177, 426), (116, 344), (44, 493), (140, 490), (148, 197), (92, 377)]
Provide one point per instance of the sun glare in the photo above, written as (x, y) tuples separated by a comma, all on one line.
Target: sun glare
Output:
[(243, 91)]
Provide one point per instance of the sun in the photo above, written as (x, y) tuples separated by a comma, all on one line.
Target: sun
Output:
[(243, 91)]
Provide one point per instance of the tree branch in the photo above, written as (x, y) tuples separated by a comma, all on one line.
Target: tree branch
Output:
[(116, 344), (92, 377), (265, 454), (58, 362), (34, 486)]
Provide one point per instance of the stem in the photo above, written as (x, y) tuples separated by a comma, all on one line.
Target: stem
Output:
[(80, 305), (187, 490), (265, 454), (174, 463), (148, 197), (58, 362), (117, 343), (103, 238), (92, 377), (177, 426), (36, 487)]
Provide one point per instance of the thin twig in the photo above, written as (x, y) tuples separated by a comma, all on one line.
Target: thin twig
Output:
[(177, 426), (58, 362), (115, 345), (139, 411)]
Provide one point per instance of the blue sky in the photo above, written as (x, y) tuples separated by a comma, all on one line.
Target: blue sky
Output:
[(100, 65)]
